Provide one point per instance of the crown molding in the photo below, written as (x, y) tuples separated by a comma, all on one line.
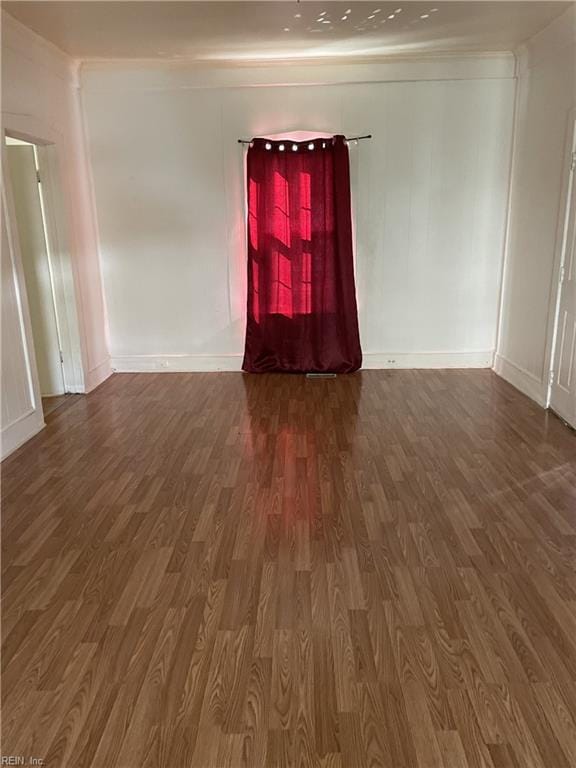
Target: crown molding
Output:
[(554, 38), (161, 75), (187, 62), (39, 51)]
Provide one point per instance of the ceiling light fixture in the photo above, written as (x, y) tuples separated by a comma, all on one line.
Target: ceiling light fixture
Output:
[(343, 18), (425, 16), (391, 16)]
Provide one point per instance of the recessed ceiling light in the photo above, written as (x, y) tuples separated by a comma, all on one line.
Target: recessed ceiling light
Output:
[(433, 10), (286, 29), (398, 10), (371, 17), (322, 13), (377, 10), (425, 16), (297, 15), (391, 16), (348, 11), (326, 21), (343, 18)]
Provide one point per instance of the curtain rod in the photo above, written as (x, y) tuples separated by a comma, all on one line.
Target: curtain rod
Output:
[(348, 138)]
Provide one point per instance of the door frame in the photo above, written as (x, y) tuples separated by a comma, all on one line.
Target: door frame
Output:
[(568, 191), (31, 419), (59, 254)]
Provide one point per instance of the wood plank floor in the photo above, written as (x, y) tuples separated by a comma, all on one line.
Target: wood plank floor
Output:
[(225, 570), (49, 404)]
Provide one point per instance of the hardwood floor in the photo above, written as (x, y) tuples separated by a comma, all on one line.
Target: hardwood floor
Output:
[(225, 570), (50, 404)]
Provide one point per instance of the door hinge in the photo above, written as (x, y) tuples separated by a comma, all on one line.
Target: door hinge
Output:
[(38, 176), (573, 161), (61, 357), (551, 377), (562, 273)]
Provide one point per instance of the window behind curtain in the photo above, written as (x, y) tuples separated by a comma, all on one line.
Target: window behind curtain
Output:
[(301, 298)]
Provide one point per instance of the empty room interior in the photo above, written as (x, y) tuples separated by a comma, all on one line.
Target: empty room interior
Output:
[(288, 385)]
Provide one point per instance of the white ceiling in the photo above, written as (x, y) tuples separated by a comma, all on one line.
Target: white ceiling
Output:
[(218, 31)]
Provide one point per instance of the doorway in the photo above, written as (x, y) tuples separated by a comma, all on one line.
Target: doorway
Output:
[(562, 395), (31, 200)]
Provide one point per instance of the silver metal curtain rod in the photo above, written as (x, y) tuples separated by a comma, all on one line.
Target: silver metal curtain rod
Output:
[(348, 138)]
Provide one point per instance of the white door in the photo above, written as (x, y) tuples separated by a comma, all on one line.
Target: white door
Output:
[(563, 386), (36, 267)]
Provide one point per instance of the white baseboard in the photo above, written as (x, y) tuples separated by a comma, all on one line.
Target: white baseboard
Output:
[(76, 390), (522, 379), (233, 362), (97, 375), (567, 417), (476, 359), (20, 431), (176, 363)]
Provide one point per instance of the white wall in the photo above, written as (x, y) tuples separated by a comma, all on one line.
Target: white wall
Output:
[(546, 94), (430, 196), (40, 101)]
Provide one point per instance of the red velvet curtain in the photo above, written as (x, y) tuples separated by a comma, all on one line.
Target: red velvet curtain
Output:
[(302, 314)]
